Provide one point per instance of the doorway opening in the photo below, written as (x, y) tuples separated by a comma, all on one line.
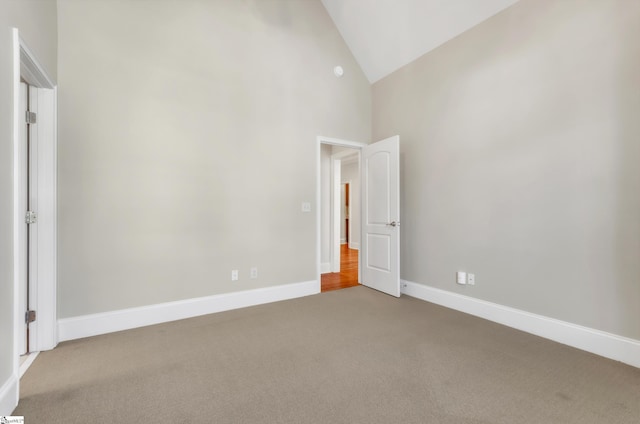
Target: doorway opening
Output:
[(340, 215), (379, 197)]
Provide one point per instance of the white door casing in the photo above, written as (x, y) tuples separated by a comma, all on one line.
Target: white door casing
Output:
[(380, 239), (43, 184)]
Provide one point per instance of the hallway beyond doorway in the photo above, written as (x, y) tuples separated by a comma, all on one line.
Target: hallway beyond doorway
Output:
[(348, 275)]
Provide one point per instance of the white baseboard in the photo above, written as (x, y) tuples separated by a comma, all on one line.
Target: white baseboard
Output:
[(9, 395), (601, 343), (354, 245), (325, 267), (125, 319)]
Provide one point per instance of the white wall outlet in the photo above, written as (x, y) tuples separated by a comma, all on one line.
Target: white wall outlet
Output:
[(461, 277), (306, 207), (253, 273), (471, 279), (234, 275)]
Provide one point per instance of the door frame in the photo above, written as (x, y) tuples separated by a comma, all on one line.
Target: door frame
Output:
[(347, 209), (356, 145), (43, 290)]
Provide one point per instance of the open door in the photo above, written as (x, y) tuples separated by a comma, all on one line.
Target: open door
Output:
[(22, 230), (380, 241)]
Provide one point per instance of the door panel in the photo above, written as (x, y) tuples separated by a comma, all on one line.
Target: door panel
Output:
[(381, 200), (21, 207), (378, 189), (379, 252)]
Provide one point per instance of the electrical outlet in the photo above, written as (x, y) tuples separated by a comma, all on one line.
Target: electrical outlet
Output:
[(234, 275), (471, 279), (306, 207), (253, 272), (461, 277)]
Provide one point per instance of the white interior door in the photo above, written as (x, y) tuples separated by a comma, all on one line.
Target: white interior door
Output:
[(22, 253), (381, 216)]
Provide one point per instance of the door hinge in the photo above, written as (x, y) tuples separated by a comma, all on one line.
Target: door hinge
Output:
[(30, 117), (29, 317), (30, 217)]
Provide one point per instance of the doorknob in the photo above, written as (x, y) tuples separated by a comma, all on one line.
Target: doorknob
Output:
[(394, 224)]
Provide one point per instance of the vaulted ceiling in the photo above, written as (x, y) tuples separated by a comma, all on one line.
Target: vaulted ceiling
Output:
[(385, 35)]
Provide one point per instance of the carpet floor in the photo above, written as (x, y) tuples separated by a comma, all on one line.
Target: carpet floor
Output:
[(348, 356)]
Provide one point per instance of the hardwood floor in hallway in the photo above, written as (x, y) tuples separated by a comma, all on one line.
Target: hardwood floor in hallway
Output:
[(348, 275)]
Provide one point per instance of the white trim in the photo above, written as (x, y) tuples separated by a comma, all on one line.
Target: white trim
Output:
[(325, 267), (43, 334), (10, 391), (339, 142), (33, 136), (601, 343), (20, 241), (43, 297), (31, 70), (125, 319), (356, 161), (354, 245), (9, 396), (27, 362)]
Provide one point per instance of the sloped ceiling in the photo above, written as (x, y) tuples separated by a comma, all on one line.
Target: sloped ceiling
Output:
[(385, 35)]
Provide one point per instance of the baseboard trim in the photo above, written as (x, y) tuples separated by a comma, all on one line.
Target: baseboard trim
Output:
[(9, 395), (325, 267), (125, 319), (601, 343), (354, 245)]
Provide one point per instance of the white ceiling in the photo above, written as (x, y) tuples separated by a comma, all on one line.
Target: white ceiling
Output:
[(385, 35)]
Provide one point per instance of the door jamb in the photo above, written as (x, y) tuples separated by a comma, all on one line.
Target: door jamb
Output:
[(320, 140), (26, 65)]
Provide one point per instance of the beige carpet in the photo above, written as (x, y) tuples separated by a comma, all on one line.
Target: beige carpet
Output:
[(349, 356)]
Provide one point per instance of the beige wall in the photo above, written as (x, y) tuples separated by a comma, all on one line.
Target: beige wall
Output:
[(519, 149), (187, 143), (36, 21)]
